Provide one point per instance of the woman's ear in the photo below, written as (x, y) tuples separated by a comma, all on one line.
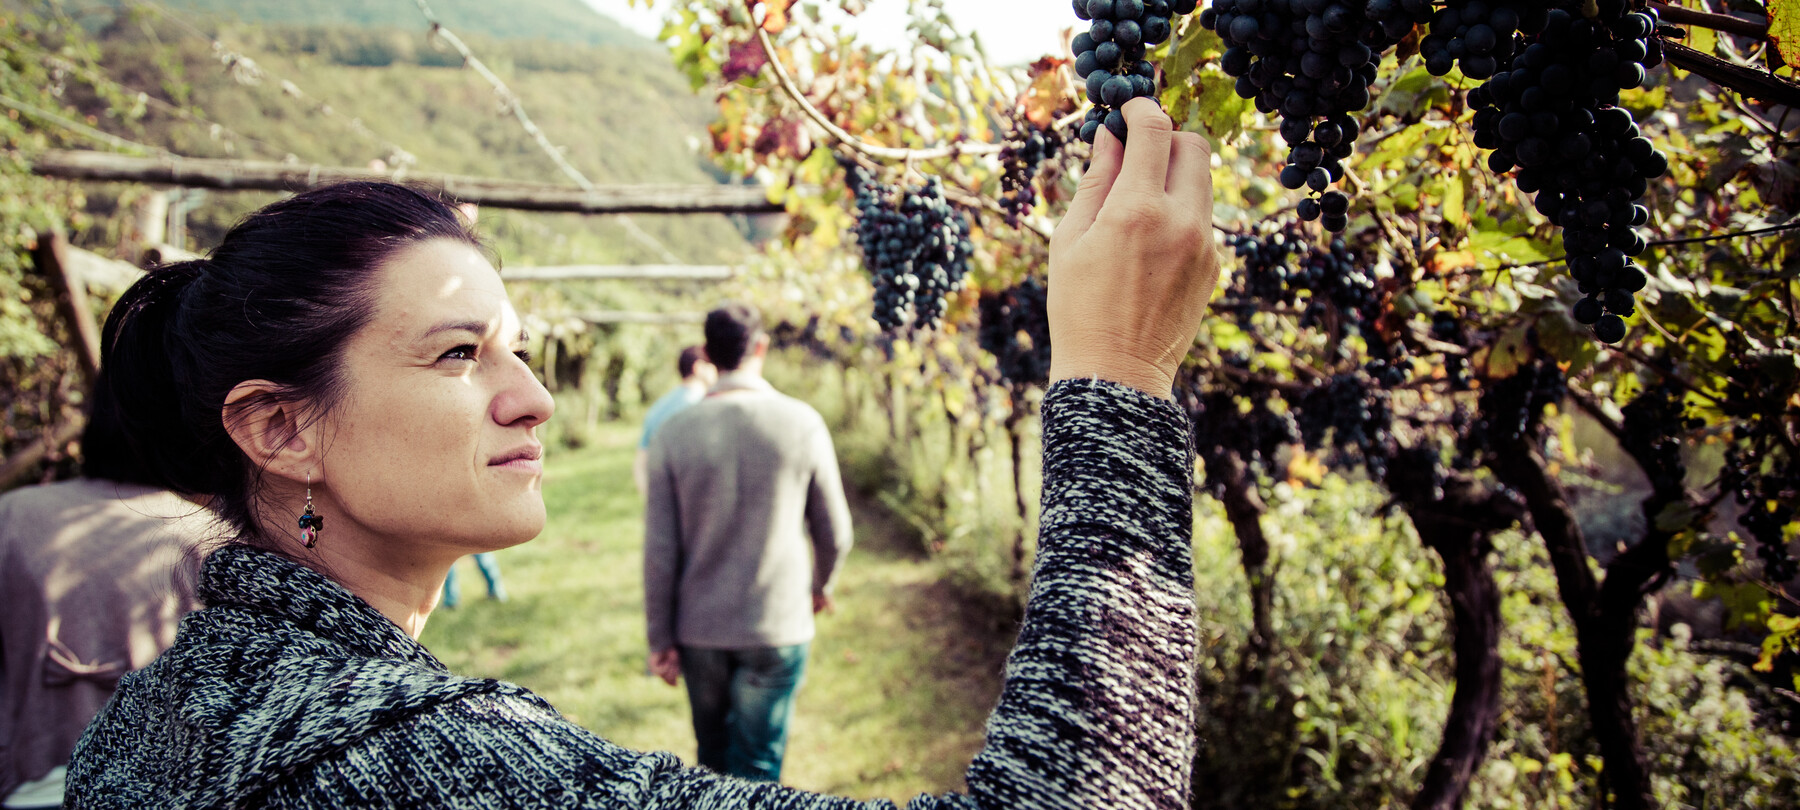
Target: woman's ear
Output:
[(271, 430)]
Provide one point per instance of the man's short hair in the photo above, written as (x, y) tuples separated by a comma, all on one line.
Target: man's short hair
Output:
[(689, 356), (730, 330)]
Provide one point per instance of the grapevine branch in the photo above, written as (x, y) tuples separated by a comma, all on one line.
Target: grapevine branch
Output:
[(1691, 240), (1706, 19), (78, 128), (858, 145), (1733, 235), (854, 143), (1748, 81), (511, 101), (508, 98)]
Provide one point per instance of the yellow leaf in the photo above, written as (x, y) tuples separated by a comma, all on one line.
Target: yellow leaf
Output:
[(1702, 39), (1454, 212), (1305, 468), (1784, 28)]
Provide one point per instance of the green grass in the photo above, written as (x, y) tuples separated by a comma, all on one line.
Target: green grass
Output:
[(902, 674)]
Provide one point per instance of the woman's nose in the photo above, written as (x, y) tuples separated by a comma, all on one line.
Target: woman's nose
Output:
[(522, 400)]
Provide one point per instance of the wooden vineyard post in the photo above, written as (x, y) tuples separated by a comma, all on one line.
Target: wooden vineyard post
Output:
[(52, 258)]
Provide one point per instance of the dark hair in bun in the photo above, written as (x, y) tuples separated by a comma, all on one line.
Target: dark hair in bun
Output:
[(276, 301)]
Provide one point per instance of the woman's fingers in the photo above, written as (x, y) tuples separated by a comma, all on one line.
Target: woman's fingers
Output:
[(1190, 168), (1096, 184), (1146, 166)]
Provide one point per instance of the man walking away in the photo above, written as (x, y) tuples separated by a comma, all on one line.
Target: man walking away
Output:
[(697, 375), (737, 483)]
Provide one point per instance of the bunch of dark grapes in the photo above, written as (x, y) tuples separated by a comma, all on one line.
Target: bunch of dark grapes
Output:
[(1311, 62), (1222, 425), (1767, 490), (1353, 411), (1551, 118), (1480, 35), (1653, 423), (1510, 407), (1015, 329), (915, 246), (1020, 157), (1109, 56), (1276, 266), (1447, 327), (1760, 469), (1417, 474)]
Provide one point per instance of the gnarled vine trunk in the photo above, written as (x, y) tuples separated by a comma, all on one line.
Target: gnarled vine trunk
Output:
[(1244, 507), (1457, 526), (1605, 616)]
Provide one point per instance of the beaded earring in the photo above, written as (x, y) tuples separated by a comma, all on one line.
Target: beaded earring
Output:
[(310, 524)]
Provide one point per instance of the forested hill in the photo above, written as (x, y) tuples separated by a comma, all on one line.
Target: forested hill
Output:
[(555, 20), (343, 94)]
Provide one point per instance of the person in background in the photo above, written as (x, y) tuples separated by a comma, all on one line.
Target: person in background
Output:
[(490, 571), (95, 573), (697, 375), (737, 483)]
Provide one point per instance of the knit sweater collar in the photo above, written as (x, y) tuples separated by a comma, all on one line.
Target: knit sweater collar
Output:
[(265, 582)]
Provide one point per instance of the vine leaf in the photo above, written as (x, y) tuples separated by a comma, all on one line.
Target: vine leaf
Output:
[(1784, 28), (1049, 92)]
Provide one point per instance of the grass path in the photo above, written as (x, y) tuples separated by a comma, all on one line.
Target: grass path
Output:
[(902, 674)]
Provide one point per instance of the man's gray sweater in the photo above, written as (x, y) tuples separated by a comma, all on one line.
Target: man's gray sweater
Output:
[(737, 483)]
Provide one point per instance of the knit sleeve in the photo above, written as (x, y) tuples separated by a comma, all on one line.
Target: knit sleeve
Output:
[(1098, 705), (1097, 709)]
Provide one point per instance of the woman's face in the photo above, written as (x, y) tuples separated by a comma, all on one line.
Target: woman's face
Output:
[(434, 443)]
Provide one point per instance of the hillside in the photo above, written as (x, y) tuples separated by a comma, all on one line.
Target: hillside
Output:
[(555, 20), (349, 96)]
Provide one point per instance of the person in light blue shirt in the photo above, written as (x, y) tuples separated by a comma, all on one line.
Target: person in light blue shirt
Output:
[(697, 375)]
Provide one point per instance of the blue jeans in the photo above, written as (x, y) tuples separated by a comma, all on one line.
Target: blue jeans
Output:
[(490, 571), (742, 702)]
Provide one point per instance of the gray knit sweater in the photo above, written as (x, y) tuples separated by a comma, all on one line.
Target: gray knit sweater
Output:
[(287, 691)]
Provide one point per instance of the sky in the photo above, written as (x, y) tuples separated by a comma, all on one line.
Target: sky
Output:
[(1009, 36)]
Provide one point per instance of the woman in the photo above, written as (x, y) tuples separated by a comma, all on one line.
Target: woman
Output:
[(348, 355)]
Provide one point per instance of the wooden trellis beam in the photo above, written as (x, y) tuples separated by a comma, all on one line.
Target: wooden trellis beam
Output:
[(651, 318), (249, 175), (621, 272)]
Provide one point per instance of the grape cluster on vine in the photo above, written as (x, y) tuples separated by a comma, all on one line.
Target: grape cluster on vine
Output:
[(1761, 469), (1020, 157), (1354, 412), (1766, 490), (1653, 423), (1277, 264), (915, 246), (1015, 329), (1552, 119), (1512, 405), (1222, 424), (1447, 326), (1479, 35), (1109, 56), (1311, 62)]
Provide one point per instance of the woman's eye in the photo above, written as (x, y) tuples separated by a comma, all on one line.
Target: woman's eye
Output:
[(463, 352), (524, 354)]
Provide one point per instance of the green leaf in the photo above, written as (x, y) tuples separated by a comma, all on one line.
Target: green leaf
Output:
[(1508, 353), (1676, 516), (1784, 28), (1454, 211)]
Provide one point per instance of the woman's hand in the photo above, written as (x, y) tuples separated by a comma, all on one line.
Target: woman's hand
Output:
[(1132, 264)]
